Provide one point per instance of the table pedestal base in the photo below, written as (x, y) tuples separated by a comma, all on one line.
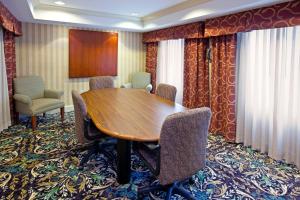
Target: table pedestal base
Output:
[(124, 161)]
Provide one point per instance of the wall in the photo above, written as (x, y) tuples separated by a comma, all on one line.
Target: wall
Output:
[(43, 50)]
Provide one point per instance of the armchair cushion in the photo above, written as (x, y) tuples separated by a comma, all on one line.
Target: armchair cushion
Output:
[(39, 106), (23, 99), (54, 94), (45, 104)]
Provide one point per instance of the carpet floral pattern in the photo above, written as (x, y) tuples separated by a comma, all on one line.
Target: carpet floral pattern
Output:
[(44, 165)]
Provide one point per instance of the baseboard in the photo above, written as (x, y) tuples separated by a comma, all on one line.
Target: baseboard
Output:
[(69, 108)]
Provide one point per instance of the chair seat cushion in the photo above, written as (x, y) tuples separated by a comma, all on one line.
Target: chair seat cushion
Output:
[(45, 104)]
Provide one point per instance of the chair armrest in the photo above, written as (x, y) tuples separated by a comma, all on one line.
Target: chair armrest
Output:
[(154, 150), (151, 147), (87, 126), (23, 99), (126, 85), (149, 88), (54, 94)]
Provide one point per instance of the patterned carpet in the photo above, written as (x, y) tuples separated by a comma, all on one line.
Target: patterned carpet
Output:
[(43, 165)]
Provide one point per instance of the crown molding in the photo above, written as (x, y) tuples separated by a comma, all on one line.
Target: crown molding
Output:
[(173, 9), (182, 13), (41, 6)]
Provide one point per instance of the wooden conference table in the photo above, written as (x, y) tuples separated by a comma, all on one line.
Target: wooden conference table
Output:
[(128, 115)]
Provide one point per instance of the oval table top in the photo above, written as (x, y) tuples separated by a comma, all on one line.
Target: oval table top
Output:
[(129, 114)]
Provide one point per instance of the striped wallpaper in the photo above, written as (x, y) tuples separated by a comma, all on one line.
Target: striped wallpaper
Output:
[(43, 50)]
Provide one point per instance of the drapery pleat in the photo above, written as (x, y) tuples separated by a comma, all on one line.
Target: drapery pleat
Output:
[(10, 62), (268, 107), (223, 77), (151, 62), (5, 119), (196, 74)]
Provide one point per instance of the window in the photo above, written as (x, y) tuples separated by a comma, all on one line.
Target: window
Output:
[(170, 65), (268, 109)]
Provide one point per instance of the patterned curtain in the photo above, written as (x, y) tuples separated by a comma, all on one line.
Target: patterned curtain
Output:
[(275, 16), (12, 27), (151, 62), (10, 62), (9, 22), (196, 74), (223, 80)]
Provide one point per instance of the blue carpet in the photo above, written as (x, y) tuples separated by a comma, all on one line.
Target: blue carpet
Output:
[(44, 165)]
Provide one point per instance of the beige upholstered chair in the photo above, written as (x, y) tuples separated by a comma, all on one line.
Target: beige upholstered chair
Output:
[(166, 91), (181, 150), (31, 98), (140, 80), (101, 82)]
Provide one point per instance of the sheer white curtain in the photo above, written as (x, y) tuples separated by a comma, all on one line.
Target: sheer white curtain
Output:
[(268, 108), (170, 65), (5, 120)]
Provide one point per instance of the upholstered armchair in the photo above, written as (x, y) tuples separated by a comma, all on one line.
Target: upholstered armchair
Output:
[(180, 153), (140, 80), (31, 98)]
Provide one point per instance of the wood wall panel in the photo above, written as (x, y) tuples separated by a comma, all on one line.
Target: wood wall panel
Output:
[(92, 53), (43, 50)]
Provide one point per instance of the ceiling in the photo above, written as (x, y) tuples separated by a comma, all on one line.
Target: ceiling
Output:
[(120, 7), (133, 15)]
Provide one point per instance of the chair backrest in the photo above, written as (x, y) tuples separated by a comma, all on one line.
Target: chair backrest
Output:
[(80, 111), (32, 86), (166, 91), (183, 143), (141, 80), (101, 82)]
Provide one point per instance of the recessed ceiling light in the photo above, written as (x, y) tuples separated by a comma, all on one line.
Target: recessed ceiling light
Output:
[(59, 3), (134, 14)]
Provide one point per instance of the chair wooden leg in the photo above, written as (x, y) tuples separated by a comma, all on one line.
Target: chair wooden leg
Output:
[(62, 114), (33, 122)]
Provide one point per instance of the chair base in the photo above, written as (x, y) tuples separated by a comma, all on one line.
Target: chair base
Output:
[(95, 149), (175, 188)]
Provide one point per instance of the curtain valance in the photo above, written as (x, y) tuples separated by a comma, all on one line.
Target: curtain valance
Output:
[(9, 22), (276, 16), (187, 31)]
